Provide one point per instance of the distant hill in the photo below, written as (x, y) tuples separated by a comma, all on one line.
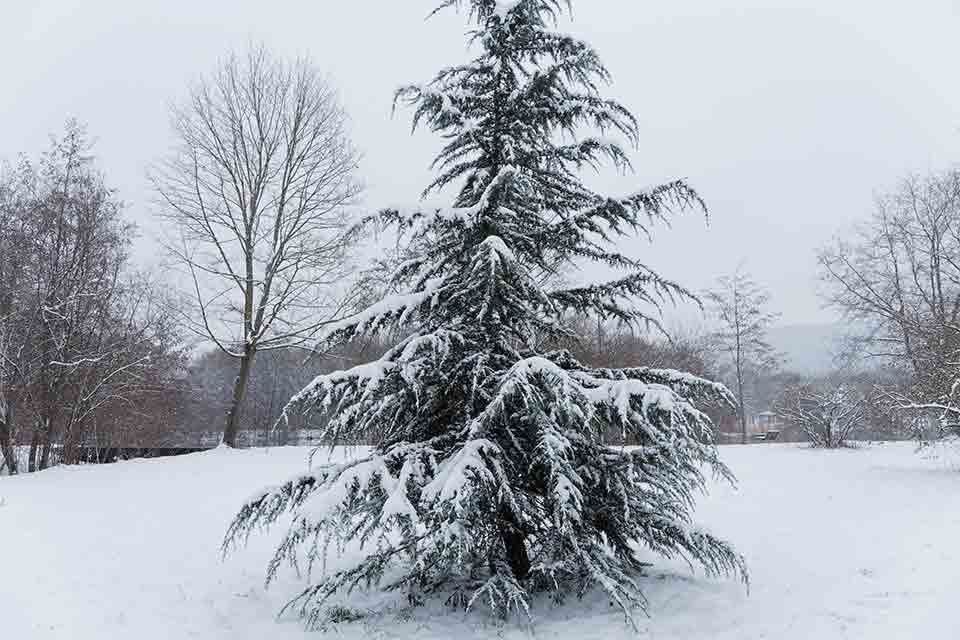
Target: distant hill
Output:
[(807, 348)]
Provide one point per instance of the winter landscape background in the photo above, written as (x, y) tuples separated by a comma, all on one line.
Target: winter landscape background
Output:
[(532, 318)]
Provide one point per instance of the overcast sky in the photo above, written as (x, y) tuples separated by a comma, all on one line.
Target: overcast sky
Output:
[(787, 118)]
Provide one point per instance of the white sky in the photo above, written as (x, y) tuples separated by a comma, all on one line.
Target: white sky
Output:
[(787, 118)]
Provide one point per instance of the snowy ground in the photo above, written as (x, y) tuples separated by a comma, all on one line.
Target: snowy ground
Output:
[(848, 544)]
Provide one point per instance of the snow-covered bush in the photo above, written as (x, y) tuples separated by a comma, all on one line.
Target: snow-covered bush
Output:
[(491, 478), (829, 419)]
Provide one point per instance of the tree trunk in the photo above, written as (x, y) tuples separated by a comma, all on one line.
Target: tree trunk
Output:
[(7, 452), (34, 444), (45, 455), (239, 390), (46, 442), (743, 407), (743, 422), (515, 542), (71, 443)]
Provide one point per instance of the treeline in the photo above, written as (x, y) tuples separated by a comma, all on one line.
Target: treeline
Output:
[(94, 351), (255, 195), (894, 278)]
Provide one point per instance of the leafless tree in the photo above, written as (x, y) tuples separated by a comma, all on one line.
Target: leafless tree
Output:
[(740, 306), (828, 418), (114, 399), (78, 336), (897, 277), (12, 262), (256, 193)]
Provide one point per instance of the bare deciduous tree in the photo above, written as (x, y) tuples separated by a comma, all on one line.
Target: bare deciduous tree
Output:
[(256, 192), (12, 262), (78, 336), (897, 276), (828, 418), (740, 307)]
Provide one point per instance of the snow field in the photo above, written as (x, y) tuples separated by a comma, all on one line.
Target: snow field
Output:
[(854, 544)]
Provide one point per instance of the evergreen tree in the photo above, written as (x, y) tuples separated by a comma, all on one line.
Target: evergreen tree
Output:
[(490, 479)]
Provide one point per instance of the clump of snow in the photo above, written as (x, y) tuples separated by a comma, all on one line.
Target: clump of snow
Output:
[(402, 304), (451, 481)]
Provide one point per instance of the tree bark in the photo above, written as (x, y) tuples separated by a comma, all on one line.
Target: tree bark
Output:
[(515, 542), (743, 409), (739, 364), (34, 444), (239, 390), (740, 394), (45, 443), (45, 454), (6, 450)]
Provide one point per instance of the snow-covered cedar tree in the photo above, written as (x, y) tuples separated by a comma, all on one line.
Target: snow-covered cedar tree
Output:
[(490, 479), (828, 418)]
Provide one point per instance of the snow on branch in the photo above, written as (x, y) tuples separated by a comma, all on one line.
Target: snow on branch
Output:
[(77, 363), (415, 219), (457, 477), (396, 310), (262, 509), (685, 384), (605, 299), (609, 217), (828, 418)]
